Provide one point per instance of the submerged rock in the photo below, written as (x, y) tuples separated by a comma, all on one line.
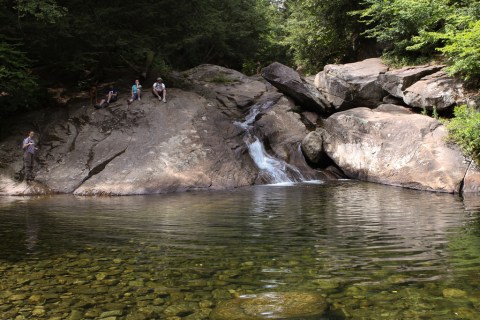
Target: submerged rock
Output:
[(273, 305)]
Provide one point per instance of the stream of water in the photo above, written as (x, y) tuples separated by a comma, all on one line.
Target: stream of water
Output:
[(274, 170)]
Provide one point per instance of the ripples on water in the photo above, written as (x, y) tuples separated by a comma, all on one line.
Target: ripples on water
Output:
[(375, 252)]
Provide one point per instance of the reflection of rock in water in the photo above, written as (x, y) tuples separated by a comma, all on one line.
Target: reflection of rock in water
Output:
[(273, 305)]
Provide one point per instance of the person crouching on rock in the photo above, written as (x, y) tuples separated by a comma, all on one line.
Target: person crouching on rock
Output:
[(136, 92), (159, 90), (29, 150)]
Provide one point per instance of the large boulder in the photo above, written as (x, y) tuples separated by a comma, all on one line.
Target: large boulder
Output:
[(352, 85), (289, 82), (437, 90), (396, 81), (149, 147), (394, 148)]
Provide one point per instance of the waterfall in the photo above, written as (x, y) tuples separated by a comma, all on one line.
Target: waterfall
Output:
[(273, 169)]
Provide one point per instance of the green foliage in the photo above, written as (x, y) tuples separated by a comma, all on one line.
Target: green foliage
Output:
[(464, 129), (416, 31), (42, 10), (220, 78), (395, 24), (320, 32), (81, 42), (19, 88), (272, 44), (463, 50), (17, 85)]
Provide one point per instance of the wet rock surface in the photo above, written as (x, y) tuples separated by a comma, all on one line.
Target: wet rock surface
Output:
[(274, 305)]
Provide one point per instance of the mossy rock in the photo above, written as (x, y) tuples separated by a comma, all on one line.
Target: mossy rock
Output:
[(273, 305)]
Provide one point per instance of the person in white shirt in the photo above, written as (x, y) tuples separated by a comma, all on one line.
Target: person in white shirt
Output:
[(159, 90)]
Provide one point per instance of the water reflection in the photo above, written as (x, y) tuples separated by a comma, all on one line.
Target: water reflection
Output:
[(350, 241)]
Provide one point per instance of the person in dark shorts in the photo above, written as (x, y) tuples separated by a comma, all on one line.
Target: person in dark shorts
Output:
[(110, 97), (29, 149), (159, 90), (136, 92)]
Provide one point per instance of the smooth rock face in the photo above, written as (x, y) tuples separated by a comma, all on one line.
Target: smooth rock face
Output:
[(434, 91), (400, 149), (352, 85), (289, 82), (185, 144), (274, 305), (396, 81), (191, 142)]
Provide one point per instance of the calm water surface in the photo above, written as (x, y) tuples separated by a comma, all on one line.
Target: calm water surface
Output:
[(373, 252)]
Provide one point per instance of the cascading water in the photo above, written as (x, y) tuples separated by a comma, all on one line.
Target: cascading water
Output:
[(273, 169)]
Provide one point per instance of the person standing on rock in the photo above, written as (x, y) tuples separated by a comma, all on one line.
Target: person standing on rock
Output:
[(136, 92), (159, 90), (29, 150)]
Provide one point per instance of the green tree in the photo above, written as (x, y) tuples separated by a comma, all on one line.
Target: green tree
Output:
[(458, 41), (321, 32), (18, 86), (396, 23)]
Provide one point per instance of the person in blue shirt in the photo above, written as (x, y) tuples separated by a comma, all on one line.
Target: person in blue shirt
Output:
[(136, 92), (29, 150)]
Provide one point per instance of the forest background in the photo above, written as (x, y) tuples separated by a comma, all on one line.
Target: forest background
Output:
[(78, 43)]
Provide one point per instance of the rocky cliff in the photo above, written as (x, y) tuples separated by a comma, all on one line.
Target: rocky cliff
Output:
[(190, 142), (359, 120)]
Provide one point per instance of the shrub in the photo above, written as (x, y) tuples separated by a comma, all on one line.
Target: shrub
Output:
[(464, 129)]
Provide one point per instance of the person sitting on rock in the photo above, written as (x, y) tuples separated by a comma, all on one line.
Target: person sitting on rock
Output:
[(110, 97), (159, 90), (136, 92)]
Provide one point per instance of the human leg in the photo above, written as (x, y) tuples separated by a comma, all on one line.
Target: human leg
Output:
[(155, 94), (28, 162)]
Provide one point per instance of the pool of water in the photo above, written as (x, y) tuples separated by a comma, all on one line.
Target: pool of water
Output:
[(371, 252)]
